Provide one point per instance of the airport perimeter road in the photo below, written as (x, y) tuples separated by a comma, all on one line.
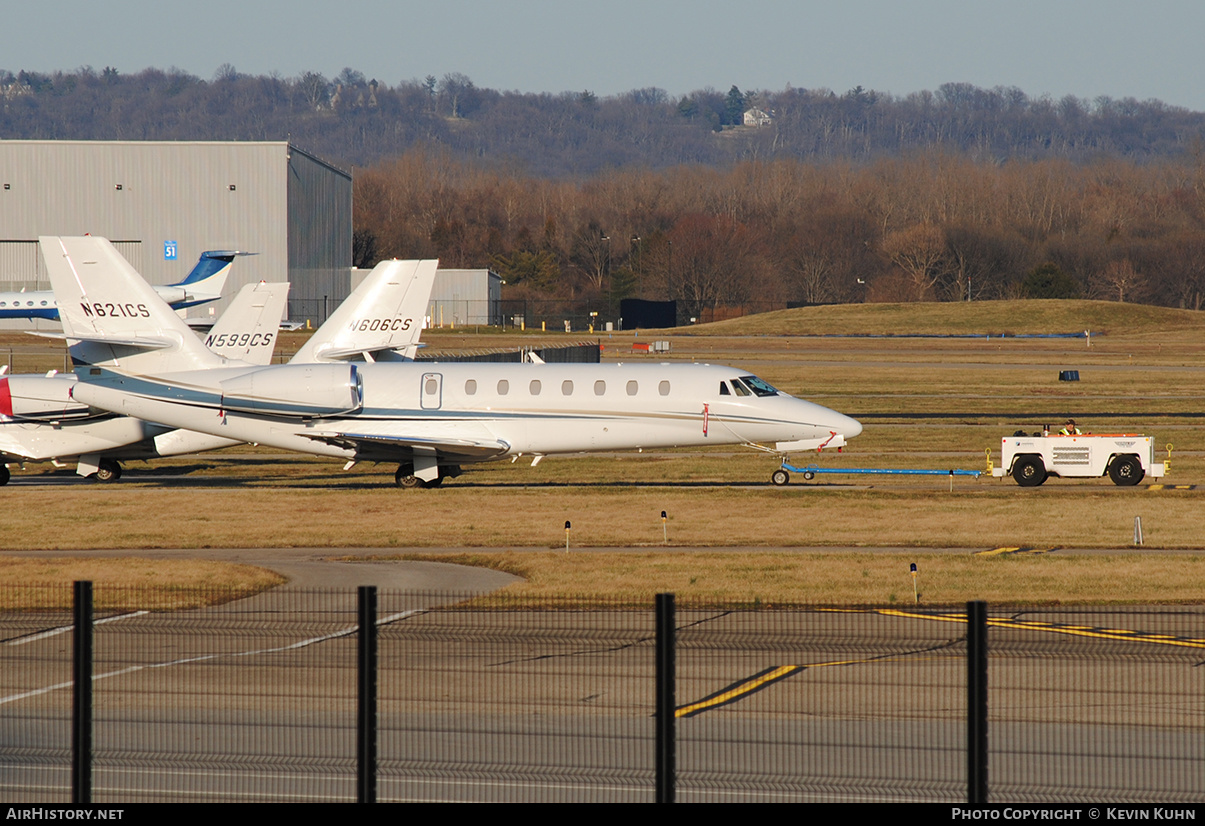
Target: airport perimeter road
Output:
[(251, 701)]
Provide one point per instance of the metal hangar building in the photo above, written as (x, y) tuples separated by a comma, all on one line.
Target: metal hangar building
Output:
[(164, 202)]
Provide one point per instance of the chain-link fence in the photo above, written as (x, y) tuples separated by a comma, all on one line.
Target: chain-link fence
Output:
[(550, 315), (206, 697)]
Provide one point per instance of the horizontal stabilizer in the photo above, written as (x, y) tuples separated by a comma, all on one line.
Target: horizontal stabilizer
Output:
[(137, 343)]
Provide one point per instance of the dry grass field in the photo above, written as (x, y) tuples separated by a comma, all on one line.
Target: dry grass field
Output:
[(852, 578), (925, 403), (126, 582)]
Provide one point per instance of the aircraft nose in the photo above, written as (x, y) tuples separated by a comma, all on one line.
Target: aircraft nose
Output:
[(823, 421), (848, 427)]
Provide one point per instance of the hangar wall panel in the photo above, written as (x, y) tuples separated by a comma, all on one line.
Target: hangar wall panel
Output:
[(288, 207), (20, 266), (466, 297), (319, 203)]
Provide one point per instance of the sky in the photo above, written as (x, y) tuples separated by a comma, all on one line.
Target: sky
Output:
[(1053, 47)]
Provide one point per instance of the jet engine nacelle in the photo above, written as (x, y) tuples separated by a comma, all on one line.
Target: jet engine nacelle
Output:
[(174, 295), (304, 390), (39, 398)]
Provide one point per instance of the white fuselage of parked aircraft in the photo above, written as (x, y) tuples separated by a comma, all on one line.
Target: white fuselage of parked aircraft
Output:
[(458, 413), (431, 417)]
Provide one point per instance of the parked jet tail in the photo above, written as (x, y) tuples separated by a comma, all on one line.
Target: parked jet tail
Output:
[(204, 283), (116, 318), (247, 330), (384, 313)]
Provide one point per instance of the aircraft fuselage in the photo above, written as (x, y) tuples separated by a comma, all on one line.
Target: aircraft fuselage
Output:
[(460, 410)]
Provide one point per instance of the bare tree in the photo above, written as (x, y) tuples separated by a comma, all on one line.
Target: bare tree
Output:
[(458, 93), (1120, 278), (314, 88), (920, 252), (591, 255)]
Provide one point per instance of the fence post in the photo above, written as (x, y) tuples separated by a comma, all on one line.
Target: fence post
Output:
[(81, 695), (977, 703), (665, 698), (366, 709)]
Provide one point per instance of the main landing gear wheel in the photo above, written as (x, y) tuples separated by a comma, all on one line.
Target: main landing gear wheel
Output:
[(1126, 470), (780, 477), (1029, 471), (4, 475), (109, 471), (405, 478)]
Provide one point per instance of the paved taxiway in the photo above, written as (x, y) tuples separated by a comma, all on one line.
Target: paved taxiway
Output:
[(253, 700)]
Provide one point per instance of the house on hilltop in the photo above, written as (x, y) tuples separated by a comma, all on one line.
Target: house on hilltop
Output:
[(756, 117)]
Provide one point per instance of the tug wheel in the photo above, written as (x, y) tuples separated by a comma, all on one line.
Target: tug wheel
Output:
[(1029, 471), (1126, 471)]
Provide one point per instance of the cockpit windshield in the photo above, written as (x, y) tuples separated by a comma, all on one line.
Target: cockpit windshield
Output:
[(758, 386)]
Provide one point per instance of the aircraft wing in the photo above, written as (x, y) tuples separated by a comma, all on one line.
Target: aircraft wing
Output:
[(478, 450)]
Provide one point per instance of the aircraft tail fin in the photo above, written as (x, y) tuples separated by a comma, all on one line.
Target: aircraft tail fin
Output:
[(384, 313), (212, 264), (113, 315), (247, 330), (204, 283)]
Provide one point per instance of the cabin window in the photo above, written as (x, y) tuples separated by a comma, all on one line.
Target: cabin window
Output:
[(724, 391), (503, 387), (566, 388), (632, 388), (470, 387), (534, 387), (600, 387), (432, 387), (663, 388)]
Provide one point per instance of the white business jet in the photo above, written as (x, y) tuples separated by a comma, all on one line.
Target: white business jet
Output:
[(39, 420), (429, 418)]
